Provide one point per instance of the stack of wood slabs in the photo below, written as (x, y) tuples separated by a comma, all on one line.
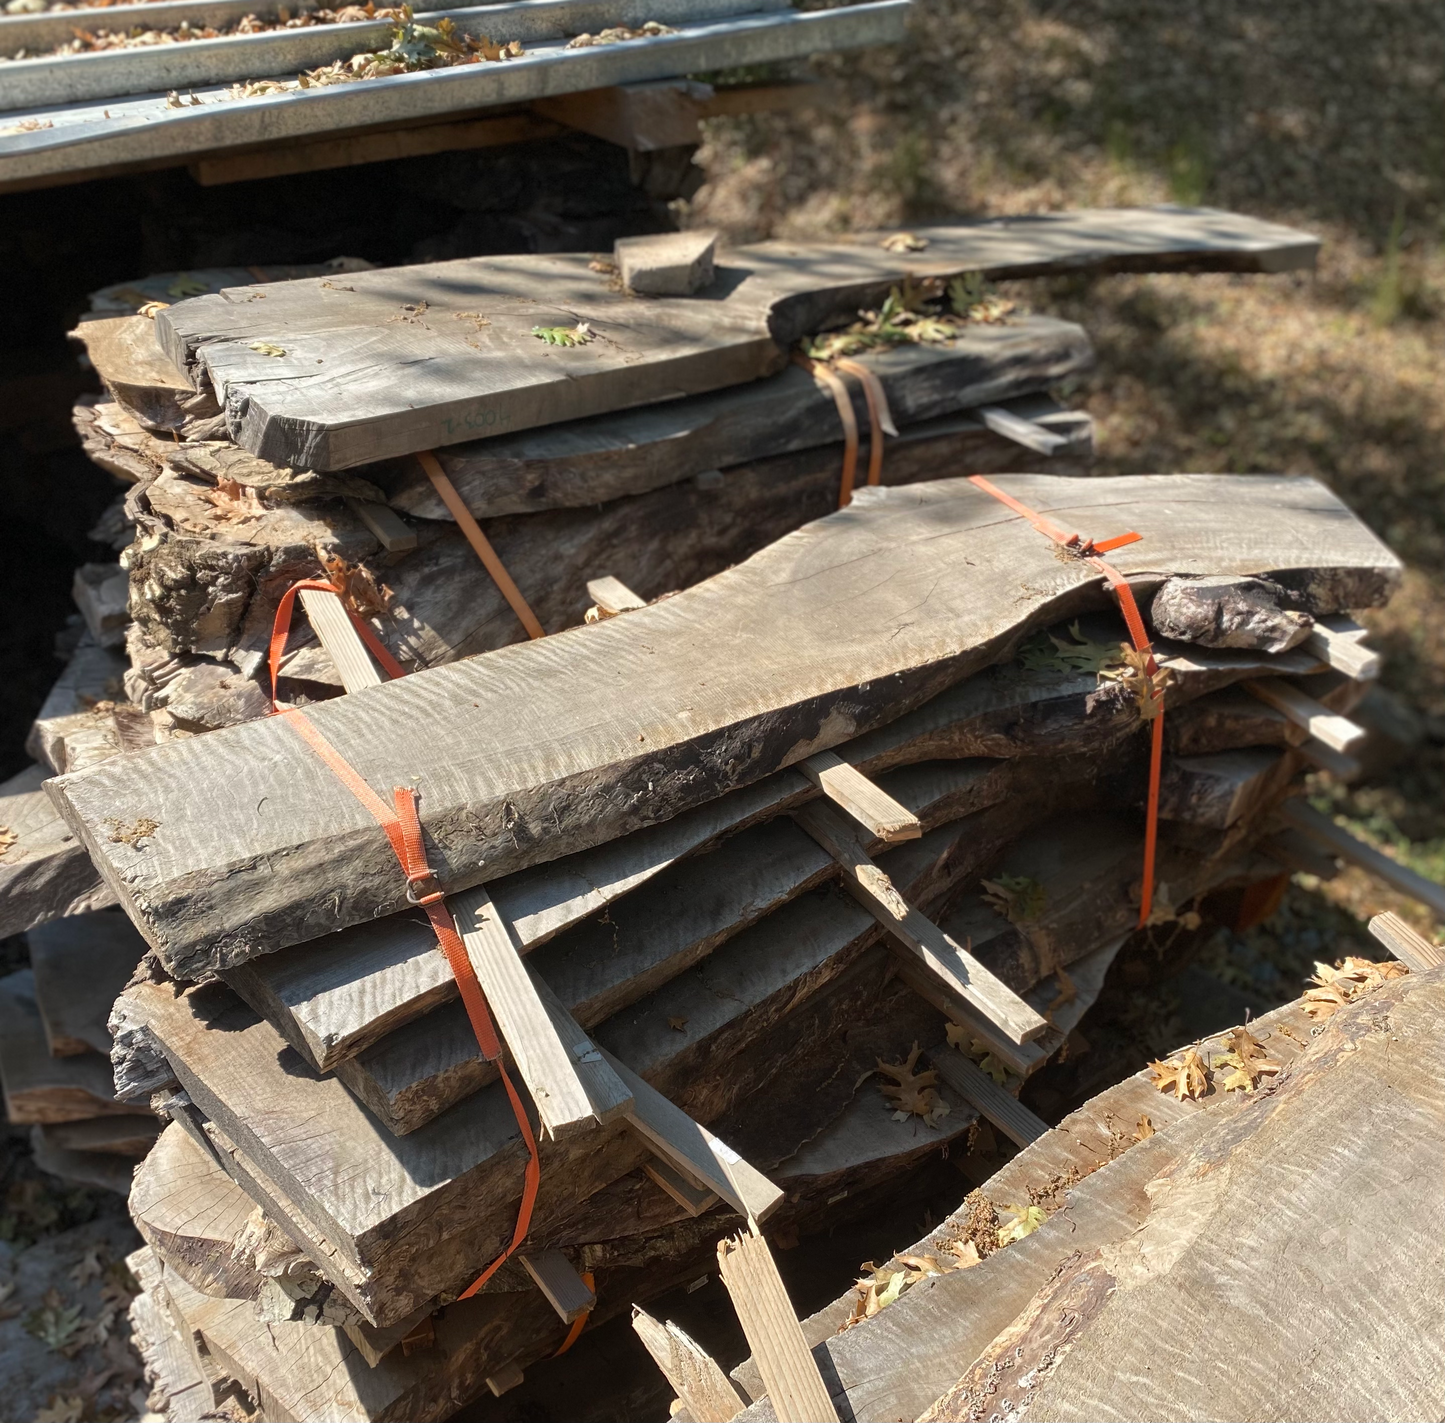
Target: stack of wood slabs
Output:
[(55, 1047), (81, 114), (706, 926)]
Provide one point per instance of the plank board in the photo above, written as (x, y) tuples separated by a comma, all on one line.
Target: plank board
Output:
[(53, 80), (463, 382), (45, 873), (81, 963), (630, 451), (699, 703), (95, 135), (38, 1087)]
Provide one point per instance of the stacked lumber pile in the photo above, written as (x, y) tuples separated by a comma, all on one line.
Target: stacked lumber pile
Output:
[(783, 799)]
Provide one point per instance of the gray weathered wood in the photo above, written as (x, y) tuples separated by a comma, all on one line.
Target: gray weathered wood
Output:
[(685, 692), (49, 80), (546, 1065), (46, 872), (80, 964), (790, 1375), (1341, 647), (94, 135), (107, 1136), (1338, 841), (974, 1085), (849, 789), (41, 1088), (1412, 949), (611, 595), (693, 1198), (1337, 732), (630, 451), (960, 972), (1225, 787), (552, 1273), (769, 295), (1020, 431), (706, 1392)]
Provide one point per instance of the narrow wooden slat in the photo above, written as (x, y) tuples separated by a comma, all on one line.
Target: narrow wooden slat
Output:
[(977, 1088), (1413, 950), (1022, 1058), (963, 974), (548, 1068), (608, 1094), (566, 1292), (342, 642), (505, 1380), (706, 1392), (694, 1199), (871, 806), (1340, 646), (1337, 732), (790, 1373), (1326, 758), (612, 595), (392, 531), (1022, 432), (696, 1151), (1340, 842)]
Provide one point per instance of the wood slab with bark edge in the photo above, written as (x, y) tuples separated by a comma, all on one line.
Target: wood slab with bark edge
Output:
[(463, 381), (700, 702)]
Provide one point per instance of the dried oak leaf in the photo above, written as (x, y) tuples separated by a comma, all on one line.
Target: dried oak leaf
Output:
[(1247, 1061), (357, 585), (1017, 897), (266, 348), (8, 837), (1144, 1130), (903, 242), (62, 1408), (1186, 1075), (1336, 986), (911, 1093)]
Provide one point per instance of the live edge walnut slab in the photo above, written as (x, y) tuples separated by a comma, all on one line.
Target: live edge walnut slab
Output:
[(241, 842), (328, 374)]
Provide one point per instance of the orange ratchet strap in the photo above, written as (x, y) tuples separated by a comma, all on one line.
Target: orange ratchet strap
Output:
[(880, 417), (403, 831), (844, 402), (1088, 550)]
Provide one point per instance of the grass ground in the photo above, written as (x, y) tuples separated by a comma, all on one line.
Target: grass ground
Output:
[(1328, 115)]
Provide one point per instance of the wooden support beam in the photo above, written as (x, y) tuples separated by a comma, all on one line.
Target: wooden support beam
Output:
[(1023, 432), (871, 806), (694, 1199), (979, 1090), (1337, 641), (566, 1291), (551, 1072), (706, 1392), (790, 1373), (696, 1151), (1326, 758), (392, 531), (343, 644), (1413, 950), (1337, 732), (1338, 841), (612, 595), (960, 971)]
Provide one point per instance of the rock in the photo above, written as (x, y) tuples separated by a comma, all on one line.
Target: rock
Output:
[(1228, 611), (667, 264)]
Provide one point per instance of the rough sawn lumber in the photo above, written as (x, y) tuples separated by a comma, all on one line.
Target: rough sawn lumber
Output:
[(464, 379), (672, 705)]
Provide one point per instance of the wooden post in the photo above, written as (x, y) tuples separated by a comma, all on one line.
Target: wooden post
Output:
[(790, 1373), (706, 1392), (1413, 950), (1340, 842), (923, 939)]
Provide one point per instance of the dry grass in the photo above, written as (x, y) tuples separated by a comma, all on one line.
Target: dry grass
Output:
[(1329, 115)]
